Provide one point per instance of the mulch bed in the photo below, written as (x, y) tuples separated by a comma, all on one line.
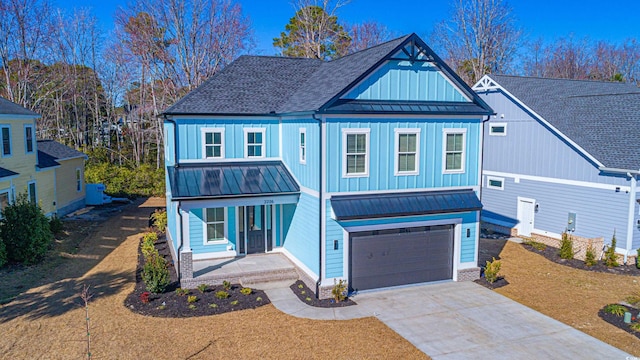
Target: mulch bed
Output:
[(618, 321), (308, 297), (170, 304), (500, 282), (552, 254)]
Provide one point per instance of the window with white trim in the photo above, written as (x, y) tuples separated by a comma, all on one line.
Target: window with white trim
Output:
[(5, 135), (254, 140), (4, 200), (303, 145), (495, 183), (214, 225), (78, 179), (498, 129), (31, 192), (454, 150), (28, 139), (355, 160), (212, 143), (407, 147)]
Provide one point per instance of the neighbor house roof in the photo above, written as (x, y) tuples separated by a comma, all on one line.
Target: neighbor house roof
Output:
[(602, 118), (9, 108), (263, 85), (46, 161), (7, 173), (58, 151)]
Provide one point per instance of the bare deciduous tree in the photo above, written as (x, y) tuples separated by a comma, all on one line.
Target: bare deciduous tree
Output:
[(367, 34)]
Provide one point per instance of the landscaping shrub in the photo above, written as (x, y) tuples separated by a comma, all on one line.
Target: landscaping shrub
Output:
[(202, 288), (192, 299), (610, 258), (148, 247), (159, 218), (125, 181), (222, 294), (3, 254), (226, 285), (638, 258), (339, 290), (590, 255), (246, 291), (534, 244), (155, 274), (56, 225), (615, 309), (566, 246), (491, 270), (25, 231)]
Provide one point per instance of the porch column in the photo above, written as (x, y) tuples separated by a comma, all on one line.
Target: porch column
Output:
[(186, 257), (631, 214)]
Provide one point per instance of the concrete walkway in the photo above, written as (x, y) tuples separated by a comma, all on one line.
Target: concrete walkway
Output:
[(458, 320)]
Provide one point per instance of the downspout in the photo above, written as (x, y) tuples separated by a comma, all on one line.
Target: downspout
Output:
[(175, 160), (482, 157), (632, 208), (181, 242), (320, 199)]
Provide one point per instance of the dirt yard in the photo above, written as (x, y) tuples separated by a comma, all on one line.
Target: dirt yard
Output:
[(569, 295), (47, 321)]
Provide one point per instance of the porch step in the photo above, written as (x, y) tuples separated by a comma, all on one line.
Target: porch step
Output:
[(283, 275)]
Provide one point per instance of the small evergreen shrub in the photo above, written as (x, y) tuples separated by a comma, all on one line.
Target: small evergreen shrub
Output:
[(566, 246), (259, 298), (610, 258), (246, 291), (226, 285), (148, 246), (202, 288), (339, 291), (25, 231), (155, 274), (182, 292), (222, 294), (590, 256), (615, 309), (192, 299), (234, 302), (56, 225), (159, 218), (637, 259), (534, 244), (3, 254), (192, 306), (491, 270), (213, 305), (635, 326)]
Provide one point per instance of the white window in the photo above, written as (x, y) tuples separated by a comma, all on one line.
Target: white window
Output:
[(355, 159), (407, 151), (495, 183), (254, 140), (215, 226), (303, 145), (28, 139), (454, 150), (498, 129), (4, 200), (31, 192), (5, 134), (212, 143), (78, 179)]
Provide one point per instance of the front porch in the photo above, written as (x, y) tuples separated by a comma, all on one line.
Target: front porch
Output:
[(245, 270)]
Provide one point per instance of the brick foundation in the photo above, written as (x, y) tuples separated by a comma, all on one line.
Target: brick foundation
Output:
[(469, 274), (186, 265)]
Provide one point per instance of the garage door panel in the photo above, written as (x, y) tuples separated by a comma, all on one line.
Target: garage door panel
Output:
[(401, 257)]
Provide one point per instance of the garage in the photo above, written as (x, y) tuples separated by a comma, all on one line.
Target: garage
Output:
[(392, 257)]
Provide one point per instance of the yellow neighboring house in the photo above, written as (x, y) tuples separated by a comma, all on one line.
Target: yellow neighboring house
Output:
[(50, 173)]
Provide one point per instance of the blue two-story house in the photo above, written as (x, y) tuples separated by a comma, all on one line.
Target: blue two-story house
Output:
[(364, 169)]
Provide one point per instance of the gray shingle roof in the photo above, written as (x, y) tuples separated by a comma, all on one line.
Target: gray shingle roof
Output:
[(601, 117), (9, 108), (259, 85), (58, 151), (46, 161), (6, 173)]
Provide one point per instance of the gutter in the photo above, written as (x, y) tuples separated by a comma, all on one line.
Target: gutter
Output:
[(175, 159), (181, 242), (632, 208)]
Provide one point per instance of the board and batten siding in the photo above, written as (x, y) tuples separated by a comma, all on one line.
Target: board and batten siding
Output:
[(169, 141), (173, 225), (308, 174), (190, 137), (530, 148), (381, 154), (599, 212), (334, 259), (196, 231), (402, 80), (302, 238)]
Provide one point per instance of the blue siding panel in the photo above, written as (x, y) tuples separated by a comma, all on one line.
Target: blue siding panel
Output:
[(334, 258), (381, 160), (401, 80), (196, 233), (308, 175), (169, 147), (468, 244), (303, 237), (173, 221)]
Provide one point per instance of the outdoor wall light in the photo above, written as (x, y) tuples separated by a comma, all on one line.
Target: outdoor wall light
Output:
[(537, 207)]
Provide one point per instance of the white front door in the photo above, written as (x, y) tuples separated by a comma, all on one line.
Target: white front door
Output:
[(526, 213)]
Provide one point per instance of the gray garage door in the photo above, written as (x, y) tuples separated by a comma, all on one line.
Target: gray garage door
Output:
[(393, 257)]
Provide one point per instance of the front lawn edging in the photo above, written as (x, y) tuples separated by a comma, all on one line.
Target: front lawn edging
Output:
[(308, 297)]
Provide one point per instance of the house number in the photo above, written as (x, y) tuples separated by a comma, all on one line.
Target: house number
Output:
[(268, 202)]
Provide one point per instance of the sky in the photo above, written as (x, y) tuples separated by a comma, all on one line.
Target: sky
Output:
[(613, 20)]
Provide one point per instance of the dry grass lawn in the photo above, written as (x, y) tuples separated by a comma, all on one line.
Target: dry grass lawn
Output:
[(48, 322), (569, 295)]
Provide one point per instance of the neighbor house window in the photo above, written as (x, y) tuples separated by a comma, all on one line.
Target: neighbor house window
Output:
[(355, 144), (498, 129), (4, 200), (495, 183), (215, 225), (212, 143), (303, 146), (28, 138), (31, 190), (407, 151), (5, 134), (454, 150), (78, 180), (254, 143)]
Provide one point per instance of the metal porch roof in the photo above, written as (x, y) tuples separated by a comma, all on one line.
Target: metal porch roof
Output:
[(229, 180), (352, 207)]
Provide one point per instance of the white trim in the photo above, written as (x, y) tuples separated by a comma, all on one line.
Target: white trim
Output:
[(214, 255), (242, 201), (263, 145), (186, 233), (356, 131), (631, 215), (309, 191), (203, 145), (396, 150), (397, 191), (225, 226), (496, 86), (345, 253), (2, 154), (547, 233), (280, 142), (302, 147), (520, 212), (35, 190), (588, 184), (226, 160), (425, 117), (237, 227), (385, 226), (453, 131), (33, 139), (297, 262), (323, 200), (497, 124), (493, 178)]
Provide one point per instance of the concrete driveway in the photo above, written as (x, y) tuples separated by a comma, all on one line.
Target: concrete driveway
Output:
[(461, 320)]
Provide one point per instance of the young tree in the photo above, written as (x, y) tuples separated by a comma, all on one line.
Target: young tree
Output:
[(480, 37), (367, 34), (314, 32)]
